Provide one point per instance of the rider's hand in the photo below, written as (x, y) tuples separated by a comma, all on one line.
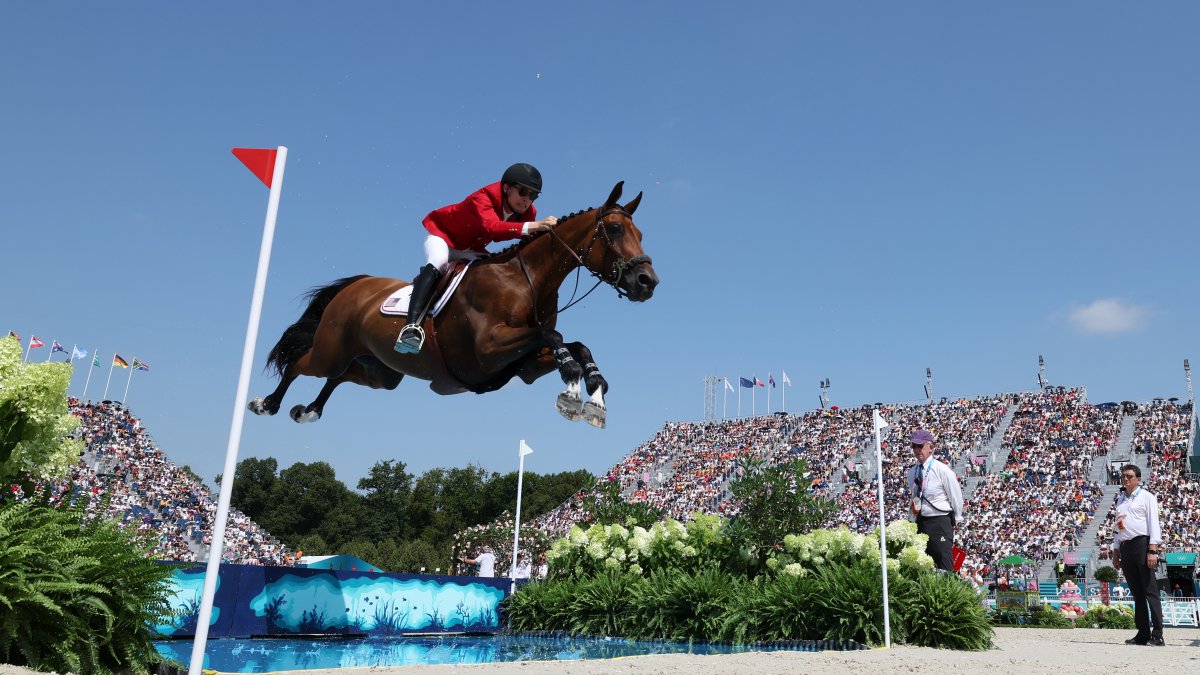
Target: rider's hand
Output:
[(543, 224)]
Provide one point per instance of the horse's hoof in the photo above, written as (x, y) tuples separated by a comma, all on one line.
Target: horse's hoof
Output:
[(594, 414), (302, 416), (257, 406), (568, 407)]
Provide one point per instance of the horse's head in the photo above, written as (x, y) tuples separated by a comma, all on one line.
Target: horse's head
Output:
[(616, 253)]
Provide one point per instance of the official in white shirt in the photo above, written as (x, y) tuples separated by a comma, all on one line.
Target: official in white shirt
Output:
[(1137, 544), (937, 500)]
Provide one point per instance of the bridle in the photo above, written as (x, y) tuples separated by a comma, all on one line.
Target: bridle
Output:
[(618, 269)]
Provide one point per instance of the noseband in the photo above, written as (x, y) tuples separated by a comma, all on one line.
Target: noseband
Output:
[(620, 266)]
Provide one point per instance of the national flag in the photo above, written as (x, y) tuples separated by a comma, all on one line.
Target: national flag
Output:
[(13, 335), (77, 353), (140, 365), (118, 361), (34, 343), (771, 380), (746, 383), (260, 161), (727, 385), (758, 382), (57, 348), (786, 381), (95, 360)]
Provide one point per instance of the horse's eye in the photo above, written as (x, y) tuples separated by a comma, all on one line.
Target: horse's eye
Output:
[(614, 230)]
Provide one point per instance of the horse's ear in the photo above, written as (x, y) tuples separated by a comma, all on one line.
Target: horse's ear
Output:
[(632, 206), (615, 194)]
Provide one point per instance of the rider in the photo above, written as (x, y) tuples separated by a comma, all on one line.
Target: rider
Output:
[(496, 212)]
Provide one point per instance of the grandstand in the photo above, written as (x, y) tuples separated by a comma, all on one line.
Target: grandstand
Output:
[(1037, 472)]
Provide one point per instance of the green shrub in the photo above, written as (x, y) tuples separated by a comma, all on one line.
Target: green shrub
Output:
[(684, 607), (75, 594), (944, 611), (1113, 616), (603, 605), (1107, 574), (541, 605), (774, 609)]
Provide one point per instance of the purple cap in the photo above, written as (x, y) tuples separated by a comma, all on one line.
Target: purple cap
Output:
[(921, 437)]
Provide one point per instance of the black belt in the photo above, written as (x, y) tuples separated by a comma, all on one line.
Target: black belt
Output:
[(1133, 539)]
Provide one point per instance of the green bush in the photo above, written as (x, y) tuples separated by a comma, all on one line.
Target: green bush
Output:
[(75, 594), (944, 611), (1113, 616), (676, 605), (541, 605), (774, 609), (602, 604)]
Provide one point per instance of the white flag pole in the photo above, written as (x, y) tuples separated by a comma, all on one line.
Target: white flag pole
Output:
[(783, 385), (879, 424), (28, 349), (754, 395), (51, 351), (91, 367), (739, 397), (110, 369), (127, 381), (239, 412), (769, 385), (725, 399), (512, 571)]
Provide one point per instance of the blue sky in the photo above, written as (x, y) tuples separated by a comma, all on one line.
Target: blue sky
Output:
[(855, 191)]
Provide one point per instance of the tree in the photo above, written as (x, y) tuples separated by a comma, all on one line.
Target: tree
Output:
[(776, 501), (309, 499), (253, 481), (608, 507), (35, 425), (388, 493)]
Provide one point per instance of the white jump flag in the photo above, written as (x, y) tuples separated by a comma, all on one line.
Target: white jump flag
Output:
[(880, 424), (268, 166), (512, 571)]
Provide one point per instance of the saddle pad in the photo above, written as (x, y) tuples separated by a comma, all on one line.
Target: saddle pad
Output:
[(397, 303)]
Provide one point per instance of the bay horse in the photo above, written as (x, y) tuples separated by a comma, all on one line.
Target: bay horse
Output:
[(498, 324)]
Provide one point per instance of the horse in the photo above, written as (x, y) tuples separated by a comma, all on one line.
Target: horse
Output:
[(498, 324)]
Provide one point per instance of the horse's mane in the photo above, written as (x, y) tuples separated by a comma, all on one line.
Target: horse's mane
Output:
[(520, 245)]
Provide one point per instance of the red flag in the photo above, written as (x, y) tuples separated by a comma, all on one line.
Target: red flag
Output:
[(34, 343), (261, 162)]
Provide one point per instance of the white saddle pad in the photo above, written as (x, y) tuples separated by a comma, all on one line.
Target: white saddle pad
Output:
[(397, 303)]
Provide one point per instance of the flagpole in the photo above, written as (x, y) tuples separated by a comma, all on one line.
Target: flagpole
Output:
[(239, 412), (521, 452), (769, 385), (879, 424), (725, 399), (754, 396), (91, 366), (51, 351), (131, 369), (739, 398), (110, 369), (783, 385), (28, 349)]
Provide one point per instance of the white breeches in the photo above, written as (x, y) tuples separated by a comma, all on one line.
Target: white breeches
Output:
[(439, 254)]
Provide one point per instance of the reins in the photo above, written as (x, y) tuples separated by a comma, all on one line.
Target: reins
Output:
[(619, 266)]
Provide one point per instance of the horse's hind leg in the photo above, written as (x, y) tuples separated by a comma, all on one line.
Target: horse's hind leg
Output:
[(594, 410), (270, 404), (365, 370)]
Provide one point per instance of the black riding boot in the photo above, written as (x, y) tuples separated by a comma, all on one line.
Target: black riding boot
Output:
[(412, 336)]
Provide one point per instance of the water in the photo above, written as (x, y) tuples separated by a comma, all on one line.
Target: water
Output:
[(257, 655)]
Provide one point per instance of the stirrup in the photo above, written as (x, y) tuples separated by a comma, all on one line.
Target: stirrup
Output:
[(412, 338)]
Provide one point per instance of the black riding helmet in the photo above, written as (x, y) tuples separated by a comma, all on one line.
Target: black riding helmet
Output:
[(523, 174)]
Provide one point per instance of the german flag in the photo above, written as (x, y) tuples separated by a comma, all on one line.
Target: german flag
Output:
[(118, 361)]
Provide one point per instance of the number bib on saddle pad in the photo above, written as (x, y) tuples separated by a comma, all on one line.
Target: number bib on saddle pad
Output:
[(397, 303)]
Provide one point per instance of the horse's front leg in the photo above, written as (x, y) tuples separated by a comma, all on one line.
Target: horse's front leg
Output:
[(569, 401), (594, 410)]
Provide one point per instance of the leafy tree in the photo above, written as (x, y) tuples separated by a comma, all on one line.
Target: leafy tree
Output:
[(388, 493), (309, 499), (445, 501), (34, 423), (253, 481), (608, 507), (776, 501)]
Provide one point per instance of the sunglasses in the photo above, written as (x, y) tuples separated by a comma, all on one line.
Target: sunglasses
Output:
[(917, 445), (532, 195), (1128, 476)]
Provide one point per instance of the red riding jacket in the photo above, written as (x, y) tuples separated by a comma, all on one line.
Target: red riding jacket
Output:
[(477, 220)]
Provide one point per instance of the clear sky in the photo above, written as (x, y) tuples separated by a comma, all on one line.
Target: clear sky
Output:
[(855, 191)]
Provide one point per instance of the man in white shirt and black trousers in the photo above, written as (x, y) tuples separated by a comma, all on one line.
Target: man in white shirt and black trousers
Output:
[(937, 500), (1137, 544)]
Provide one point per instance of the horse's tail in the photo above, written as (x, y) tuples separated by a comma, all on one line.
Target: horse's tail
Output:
[(298, 338)]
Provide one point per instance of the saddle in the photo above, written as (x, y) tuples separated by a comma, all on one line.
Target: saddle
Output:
[(396, 304)]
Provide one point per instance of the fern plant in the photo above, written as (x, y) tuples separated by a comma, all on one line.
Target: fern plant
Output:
[(76, 594)]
